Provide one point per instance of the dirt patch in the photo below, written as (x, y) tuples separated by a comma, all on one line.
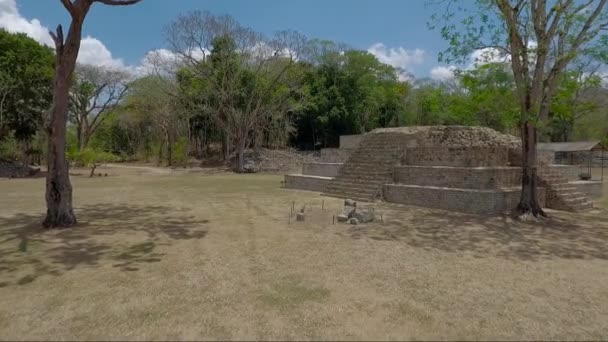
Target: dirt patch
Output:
[(196, 256)]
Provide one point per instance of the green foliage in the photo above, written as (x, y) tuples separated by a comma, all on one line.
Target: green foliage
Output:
[(26, 77), (573, 100), (89, 157), (180, 150), (347, 93), (9, 148)]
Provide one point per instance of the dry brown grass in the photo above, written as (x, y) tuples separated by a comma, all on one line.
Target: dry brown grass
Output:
[(199, 256)]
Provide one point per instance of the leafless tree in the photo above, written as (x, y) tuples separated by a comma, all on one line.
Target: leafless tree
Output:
[(248, 83), (96, 93)]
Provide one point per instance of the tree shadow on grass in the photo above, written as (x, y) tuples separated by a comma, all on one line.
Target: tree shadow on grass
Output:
[(561, 236), (125, 236)]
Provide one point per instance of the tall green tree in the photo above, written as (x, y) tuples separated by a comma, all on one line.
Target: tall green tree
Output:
[(540, 38), (246, 75), (348, 92), (26, 78), (486, 97)]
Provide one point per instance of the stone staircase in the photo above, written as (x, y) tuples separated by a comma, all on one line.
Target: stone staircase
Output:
[(364, 174), (559, 194)]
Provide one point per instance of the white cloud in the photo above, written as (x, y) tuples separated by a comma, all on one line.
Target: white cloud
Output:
[(92, 51), (12, 21), (158, 61), (397, 57), (443, 73), (487, 56)]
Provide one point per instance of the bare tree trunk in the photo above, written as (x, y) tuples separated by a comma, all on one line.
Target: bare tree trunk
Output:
[(528, 203), (79, 136), (84, 139), (169, 150), (160, 151), (58, 187), (241, 155), (226, 147), (93, 170)]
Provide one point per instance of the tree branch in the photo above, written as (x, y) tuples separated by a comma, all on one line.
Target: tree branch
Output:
[(117, 2), (58, 38), (69, 6)]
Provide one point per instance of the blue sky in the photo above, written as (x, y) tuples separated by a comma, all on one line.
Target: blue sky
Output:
[(128, 33)]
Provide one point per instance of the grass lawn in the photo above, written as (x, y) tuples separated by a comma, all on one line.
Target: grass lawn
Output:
[(177, 255)]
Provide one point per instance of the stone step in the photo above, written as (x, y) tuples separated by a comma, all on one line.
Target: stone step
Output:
[(574, 200), (563, 186), (365, 172), (381, 165), (349, 196), (371, 181), (566, 193), (588, 205), (346, 189)]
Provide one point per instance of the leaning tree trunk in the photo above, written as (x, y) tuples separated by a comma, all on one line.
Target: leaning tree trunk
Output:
[(528, 203), (58, 187)]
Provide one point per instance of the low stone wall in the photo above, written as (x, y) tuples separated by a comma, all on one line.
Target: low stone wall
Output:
[(350, 141), (306, 182), (321, 169), (335, 155), (457, 156), (593, 189), (480, 202), (10, 169), (459, 177)]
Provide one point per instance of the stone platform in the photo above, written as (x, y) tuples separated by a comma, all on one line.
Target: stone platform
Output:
[(307, 182), (465, 169), (472, 201)]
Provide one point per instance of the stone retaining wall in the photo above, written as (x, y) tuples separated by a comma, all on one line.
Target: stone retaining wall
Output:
[(350, 141), (335, 155), (457, 156), (321, 169), (305, 182), (459, 177), (479, 202)]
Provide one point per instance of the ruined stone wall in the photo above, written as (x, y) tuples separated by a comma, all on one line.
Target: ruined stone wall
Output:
[(479, 202), (335, 155), (310, 183), (321, 169), (469, 156), (11, 169), (350, 141), (459, 177)]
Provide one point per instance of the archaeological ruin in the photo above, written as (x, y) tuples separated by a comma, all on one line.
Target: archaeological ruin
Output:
[(466, 169)]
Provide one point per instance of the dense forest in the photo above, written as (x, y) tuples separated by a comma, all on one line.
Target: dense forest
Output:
[(225, 88)]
